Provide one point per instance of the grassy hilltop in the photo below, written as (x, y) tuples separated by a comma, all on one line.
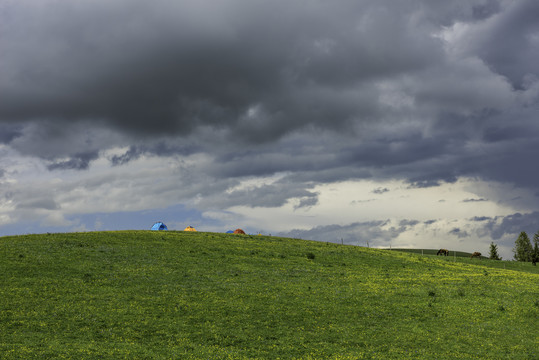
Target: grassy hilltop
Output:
[(180, 295)]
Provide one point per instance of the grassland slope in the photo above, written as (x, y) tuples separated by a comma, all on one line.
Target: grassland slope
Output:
[(465, 258), (142, 294)]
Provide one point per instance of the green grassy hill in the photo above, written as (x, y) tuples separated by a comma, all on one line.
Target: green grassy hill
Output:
[(182, 295), (453, 253), (464, 258)]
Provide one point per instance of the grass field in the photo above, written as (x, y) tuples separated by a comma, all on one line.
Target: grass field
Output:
[(183, 295), (464, 258)]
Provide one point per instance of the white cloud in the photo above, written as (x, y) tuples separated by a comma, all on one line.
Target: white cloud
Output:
[(352, 201)]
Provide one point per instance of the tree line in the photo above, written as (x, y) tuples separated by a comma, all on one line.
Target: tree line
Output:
[(523, 250)]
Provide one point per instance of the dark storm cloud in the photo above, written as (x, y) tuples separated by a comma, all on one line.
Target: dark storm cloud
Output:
[(459, 233), (513, 224), (370, 233), (374, 86), (272, 195), (169, 68), (481, 218), (133, 153), (269, 161), (160, 148), (510, 46), (404, 223), (474, 200), (77, 162), (507, 132), (307, 201), (262, 68), (486, 9), (427, 181), (8, 133)]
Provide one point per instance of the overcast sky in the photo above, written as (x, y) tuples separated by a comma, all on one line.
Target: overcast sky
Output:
[(409, 123)]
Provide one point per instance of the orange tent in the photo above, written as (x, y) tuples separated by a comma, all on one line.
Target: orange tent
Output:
[(239, 231), (189, 228)]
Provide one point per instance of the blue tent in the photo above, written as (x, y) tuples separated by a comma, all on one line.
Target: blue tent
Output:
[(230, 232), (159, 226)]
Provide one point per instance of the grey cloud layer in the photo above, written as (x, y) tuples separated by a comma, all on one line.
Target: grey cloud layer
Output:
[(188, 64), (370, 233), (422, 90), (502, 230)]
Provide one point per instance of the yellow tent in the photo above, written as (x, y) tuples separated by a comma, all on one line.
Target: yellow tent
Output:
[(189, 228)]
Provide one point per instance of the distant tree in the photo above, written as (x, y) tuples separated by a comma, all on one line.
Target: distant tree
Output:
[(535, 252), (523, 248), (494, 252)]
